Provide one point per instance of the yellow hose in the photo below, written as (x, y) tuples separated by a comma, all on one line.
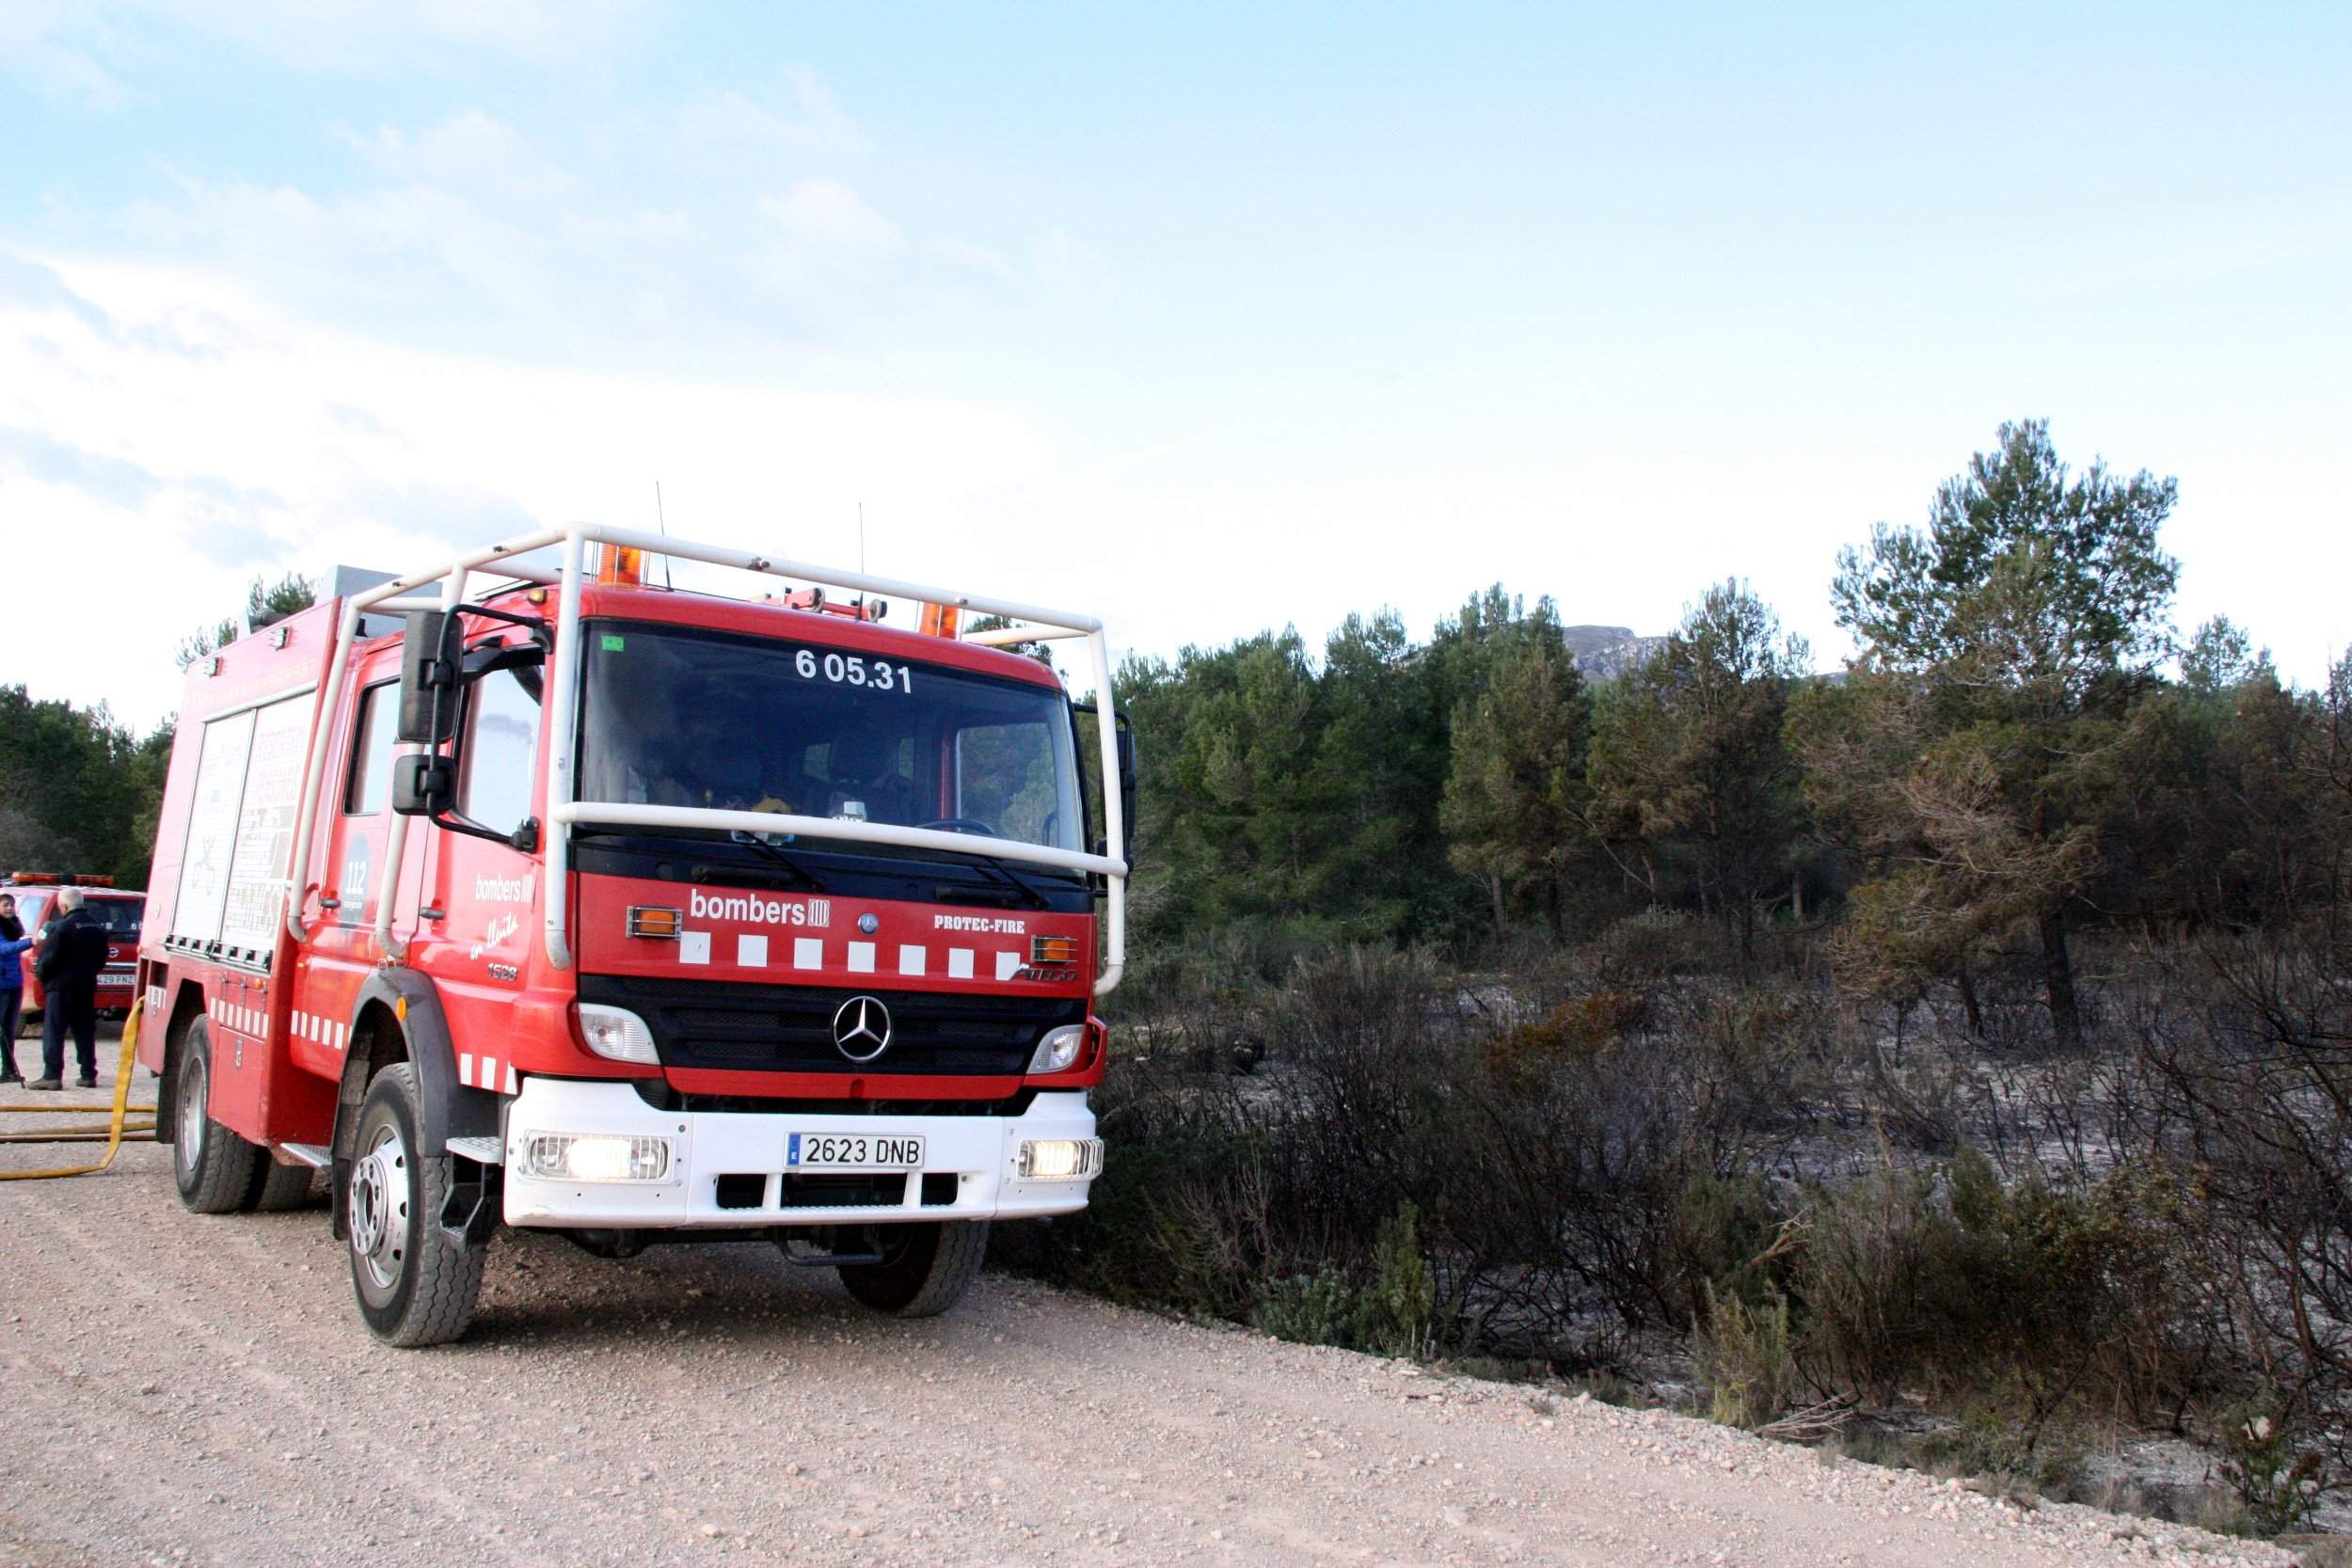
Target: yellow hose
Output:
[(114, 1132)]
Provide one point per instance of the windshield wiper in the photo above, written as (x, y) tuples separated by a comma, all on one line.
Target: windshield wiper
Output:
[(806, 877), (1013, 879)]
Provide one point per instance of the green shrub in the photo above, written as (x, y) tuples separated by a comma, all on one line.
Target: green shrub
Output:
[(1320, 1308), (2276, 1478), (1746, 1360), (1388, 1317), (1394, 1318)]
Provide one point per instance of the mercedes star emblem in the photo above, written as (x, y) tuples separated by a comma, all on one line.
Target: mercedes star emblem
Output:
[(861, 1030)]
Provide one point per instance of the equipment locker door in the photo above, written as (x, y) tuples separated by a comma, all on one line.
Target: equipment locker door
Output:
[(352, 881)]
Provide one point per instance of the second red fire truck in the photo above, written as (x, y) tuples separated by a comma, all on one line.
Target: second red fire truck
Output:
[(639, 915), (35, 895)]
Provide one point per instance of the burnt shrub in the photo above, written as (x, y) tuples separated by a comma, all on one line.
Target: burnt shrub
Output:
[(2246, 1061), (1940, 1282), (1539, 1173)]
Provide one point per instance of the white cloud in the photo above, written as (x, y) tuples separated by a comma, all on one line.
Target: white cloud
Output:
[(469, 151), (732, 122), (366, 37), (823, 226), (296, 447), (465, 230), (976, 260), (1061, 262)]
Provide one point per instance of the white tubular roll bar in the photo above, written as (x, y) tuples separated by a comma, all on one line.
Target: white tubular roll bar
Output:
[(564, 807), (388, 595)]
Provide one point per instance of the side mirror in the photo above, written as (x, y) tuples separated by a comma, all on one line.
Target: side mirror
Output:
[(424, 784), (1127, 771), (1123, 744), (428, 679)]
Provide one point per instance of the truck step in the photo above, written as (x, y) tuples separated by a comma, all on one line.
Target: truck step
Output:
[(482, 1151), (310, 1155)]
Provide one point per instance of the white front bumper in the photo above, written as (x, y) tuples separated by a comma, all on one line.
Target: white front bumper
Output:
[(980, 1152)]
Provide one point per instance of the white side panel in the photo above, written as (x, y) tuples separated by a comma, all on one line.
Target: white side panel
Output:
[(266, 824), (212, 828)]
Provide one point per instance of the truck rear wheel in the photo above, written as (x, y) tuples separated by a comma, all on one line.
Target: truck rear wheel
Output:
[(212, 1167), (277, 1187), (416, 1285), (925, 1269)]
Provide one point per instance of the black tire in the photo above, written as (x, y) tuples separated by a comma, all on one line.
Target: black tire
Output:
[(212, 1167), (924, 1269), (276, 1188), (415, 1286)]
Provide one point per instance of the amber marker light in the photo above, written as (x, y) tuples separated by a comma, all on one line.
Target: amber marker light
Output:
[(621, 567), (649, 920)]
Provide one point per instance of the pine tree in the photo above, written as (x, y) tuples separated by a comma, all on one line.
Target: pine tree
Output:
[(2012, 638)]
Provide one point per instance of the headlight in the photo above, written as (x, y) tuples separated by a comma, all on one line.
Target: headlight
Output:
[(596, 1157), (1060, 1159), (616, 1033), (1058, 1049)]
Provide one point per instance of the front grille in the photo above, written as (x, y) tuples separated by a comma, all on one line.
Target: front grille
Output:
[(844, 1191), (743, 1192), (730, 1025)]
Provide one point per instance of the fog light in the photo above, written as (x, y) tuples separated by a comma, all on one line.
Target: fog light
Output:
[(1060, 1159), (596, 1157), (616, 1033), (1058, 1049)]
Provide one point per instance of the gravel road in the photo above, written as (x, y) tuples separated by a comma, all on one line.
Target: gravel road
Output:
[(189, 1390)]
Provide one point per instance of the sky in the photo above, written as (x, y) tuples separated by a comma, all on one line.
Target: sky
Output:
[(1201, 319)]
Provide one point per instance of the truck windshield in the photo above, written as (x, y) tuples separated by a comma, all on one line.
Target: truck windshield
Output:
[(116, 914), (674, 717)]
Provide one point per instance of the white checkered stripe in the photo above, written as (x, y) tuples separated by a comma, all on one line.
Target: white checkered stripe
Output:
[(321, 1030), (488, 1072), (253, 1022), (857, 958)]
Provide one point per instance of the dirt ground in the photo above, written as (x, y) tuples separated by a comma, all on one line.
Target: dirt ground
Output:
[(185, 1390)]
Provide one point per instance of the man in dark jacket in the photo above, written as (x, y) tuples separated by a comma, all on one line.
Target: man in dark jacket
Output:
[(73, 954)]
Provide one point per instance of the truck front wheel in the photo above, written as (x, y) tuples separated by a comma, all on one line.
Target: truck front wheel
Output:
[(925, 1268), (212, 1167), (416, 1284)]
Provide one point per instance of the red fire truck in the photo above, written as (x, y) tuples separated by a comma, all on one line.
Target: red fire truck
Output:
[(36, 894), (639, 915)]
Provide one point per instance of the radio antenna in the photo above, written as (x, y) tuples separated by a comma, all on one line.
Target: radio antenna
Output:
[(661, 521), (861, 539)]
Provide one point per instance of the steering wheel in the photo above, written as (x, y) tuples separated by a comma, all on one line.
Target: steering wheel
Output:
[(959, 825)]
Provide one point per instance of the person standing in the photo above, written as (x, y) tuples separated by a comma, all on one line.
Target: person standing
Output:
[(72, 955), (13, 942)]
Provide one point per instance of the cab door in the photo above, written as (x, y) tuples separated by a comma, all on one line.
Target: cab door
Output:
[(485, 891)]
